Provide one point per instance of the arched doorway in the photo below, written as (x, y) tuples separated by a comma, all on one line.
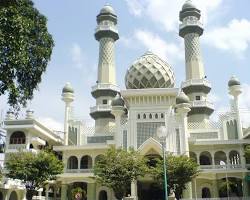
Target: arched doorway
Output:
[(205, 193), (1, 195), (230, 187), (103, 195), (13, 196), (73, 188)]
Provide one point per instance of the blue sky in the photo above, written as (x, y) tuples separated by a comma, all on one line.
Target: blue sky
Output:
[(143, 25)]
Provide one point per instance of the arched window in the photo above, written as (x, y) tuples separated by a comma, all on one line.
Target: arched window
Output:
[(205, 158), (13, 196), (234, 157), (150, 116), (144, 116), (103, 195), (156, 116), (162, 115), (138, 116), (17, 137), (206, 193), (220, 158), (86, 162), (72, 162)]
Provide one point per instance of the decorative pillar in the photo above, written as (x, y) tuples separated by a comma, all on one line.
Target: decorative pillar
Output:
[(91, 191), (234, 87), (118, 110), (182, 109), (47, 191), (64, 192), (68, 98)]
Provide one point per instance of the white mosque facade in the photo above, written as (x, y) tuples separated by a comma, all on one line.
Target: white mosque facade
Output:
[(133, 117)]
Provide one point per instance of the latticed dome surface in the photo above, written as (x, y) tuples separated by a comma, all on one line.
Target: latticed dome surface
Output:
[(149, 71)]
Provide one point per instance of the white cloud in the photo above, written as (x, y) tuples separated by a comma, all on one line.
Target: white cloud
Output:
[(77, 56), (51, 123), (166, 12), (153, 42), (235, 37)]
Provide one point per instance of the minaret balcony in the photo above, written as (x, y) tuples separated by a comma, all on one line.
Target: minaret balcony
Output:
[(190, 26), (202, 103), (106, 28), (201, 107), (101, 111), (104, 89), (190, 23), (196, 85)]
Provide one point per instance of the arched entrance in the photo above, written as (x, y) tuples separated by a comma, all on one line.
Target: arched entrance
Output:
[(103, 195), (1, 195), (205, 193), (13, 196), (77, 187), (149, 190), (230, 187)]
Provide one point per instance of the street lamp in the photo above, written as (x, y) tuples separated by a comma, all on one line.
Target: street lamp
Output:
[(162, 134)]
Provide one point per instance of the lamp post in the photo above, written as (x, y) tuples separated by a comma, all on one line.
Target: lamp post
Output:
[(162, 134)]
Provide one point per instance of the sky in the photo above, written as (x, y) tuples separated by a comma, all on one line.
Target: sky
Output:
[(143, 25)]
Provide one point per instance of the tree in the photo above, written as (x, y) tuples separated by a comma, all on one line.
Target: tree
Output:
[(25, 50), (33, 169), (118, 168), (180, 171)]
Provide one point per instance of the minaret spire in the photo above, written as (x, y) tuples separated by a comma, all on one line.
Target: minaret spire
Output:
[(196, 85), (106, 89)]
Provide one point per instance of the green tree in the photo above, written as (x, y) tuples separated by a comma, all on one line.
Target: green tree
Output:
[(25, 50), (180, 171), (118, 168), (33, 169)]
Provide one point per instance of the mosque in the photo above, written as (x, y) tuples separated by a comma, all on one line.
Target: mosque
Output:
[(150, 110)]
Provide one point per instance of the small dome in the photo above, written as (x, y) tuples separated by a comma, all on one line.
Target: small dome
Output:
[(118, 101), (182, 98), (68, 88), (149, 71), (107, 9), (188, 4), (233, 81)]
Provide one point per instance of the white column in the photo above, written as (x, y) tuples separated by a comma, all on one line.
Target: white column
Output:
[(239, 123), (134, 190), (47, 191), (66, 124)]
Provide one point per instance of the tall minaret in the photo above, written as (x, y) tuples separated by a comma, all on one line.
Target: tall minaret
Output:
[(196, 86), (105, 89)]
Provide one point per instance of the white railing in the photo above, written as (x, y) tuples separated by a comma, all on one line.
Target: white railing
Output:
[(202, 103), (195, 82), (79, 170), (105, 86), (106, 28), (17, 146), (222, 167), (190, 23), (100, 108)]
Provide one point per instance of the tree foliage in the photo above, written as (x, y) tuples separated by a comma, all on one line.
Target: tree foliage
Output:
[(25, 50), (180, 171), (33, 169), (118, 168)]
